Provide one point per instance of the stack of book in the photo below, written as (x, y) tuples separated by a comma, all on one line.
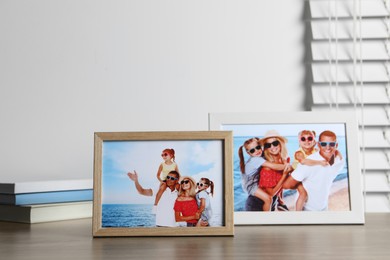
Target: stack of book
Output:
[(45, 201)]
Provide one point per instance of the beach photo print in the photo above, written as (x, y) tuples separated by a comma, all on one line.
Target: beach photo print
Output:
[(163, 184), (294, 168)]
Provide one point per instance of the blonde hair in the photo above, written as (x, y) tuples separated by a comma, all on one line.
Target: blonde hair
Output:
[(314, 142), (307, 132), (241, 154), (283, 150), (192, 190)]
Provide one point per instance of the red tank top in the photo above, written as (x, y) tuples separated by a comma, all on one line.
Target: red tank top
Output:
[(269, 178)]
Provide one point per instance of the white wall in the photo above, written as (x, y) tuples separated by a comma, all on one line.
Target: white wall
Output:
[(70, 68)]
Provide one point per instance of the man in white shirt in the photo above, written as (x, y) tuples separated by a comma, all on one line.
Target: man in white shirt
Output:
[(165, 215), (317, 180)]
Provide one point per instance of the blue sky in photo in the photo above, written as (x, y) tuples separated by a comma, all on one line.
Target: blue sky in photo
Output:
[(284, 129), (195, 158)]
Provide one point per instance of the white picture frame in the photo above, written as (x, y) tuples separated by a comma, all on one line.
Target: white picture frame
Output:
[(246, 125)]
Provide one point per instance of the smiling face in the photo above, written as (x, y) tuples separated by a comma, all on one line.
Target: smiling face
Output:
[(187, 187), (202, 185), (272, 145), (166, 157), (307, 141), (254, 148), (185, 184), (172, 179), (328, 146)]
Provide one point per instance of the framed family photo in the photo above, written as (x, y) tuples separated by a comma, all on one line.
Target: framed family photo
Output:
[(294, 168), (163, 184)]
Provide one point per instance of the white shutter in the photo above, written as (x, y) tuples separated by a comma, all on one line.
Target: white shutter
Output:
[(350, 62)]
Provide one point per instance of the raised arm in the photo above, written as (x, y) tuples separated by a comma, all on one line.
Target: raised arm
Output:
[(274, 166), (310, 162), (338, 154), (134, 177)]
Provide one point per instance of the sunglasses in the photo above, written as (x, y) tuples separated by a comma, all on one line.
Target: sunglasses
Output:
[(254, 149), (171, 178), (201, 184), (274, 144), (164, 154), (310, 138), (331, 144), (184, 182)]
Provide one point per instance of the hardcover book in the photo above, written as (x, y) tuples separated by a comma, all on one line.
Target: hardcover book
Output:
[(46, 197), (46, 212), (16, 187)]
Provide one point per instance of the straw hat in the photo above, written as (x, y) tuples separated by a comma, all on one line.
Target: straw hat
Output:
[(273, 134)]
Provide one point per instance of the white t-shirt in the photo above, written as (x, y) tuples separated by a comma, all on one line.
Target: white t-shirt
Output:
[(165, 215), (317, 180)]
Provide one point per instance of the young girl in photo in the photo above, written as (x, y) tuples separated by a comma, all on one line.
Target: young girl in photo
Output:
[(203, 200), (307, 146), (165, 167), (250, 171)]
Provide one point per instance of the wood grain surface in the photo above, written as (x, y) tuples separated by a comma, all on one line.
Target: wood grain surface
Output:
[(73, 240)]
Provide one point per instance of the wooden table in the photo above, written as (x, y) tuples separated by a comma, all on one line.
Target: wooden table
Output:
[(73, 240)]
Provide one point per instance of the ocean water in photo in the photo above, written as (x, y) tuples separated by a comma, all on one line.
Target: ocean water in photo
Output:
[(292, 145), (127, 215), (137, 215)]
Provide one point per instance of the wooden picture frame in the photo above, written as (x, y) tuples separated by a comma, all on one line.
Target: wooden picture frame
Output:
[(344, 207), (126, 161)]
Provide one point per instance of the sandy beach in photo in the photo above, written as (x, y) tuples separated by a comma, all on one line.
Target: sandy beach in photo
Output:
[(338, 198)]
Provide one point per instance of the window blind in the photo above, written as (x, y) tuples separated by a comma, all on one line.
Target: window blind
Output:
[(350, 65)]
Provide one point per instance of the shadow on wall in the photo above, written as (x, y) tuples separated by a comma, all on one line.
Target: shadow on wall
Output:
[(308, 57)]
